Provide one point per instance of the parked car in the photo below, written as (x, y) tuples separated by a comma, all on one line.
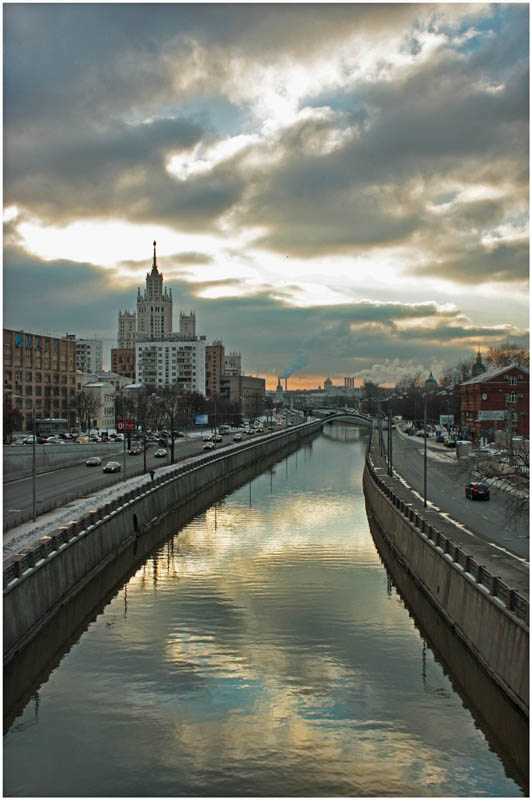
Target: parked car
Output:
[(112, 466), (208, 446), (237, 437), (93, 461), (477, 491), (449, 443), (160, 453)]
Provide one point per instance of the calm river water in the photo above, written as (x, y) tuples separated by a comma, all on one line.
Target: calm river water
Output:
[(262, 651)]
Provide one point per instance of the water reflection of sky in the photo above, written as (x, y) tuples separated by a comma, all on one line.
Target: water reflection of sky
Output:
[(261, 651)]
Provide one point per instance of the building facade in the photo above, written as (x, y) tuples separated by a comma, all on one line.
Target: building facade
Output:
[(104, 393), (172, 362), (187, 325), (89, 355), (214, 368), (496, 399), (246, 391), (123, 362), (127, 330), (40, 376), (154, 306), (233, 364)]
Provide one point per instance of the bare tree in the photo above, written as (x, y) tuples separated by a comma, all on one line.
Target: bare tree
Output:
[(86, 407), (507, 353)]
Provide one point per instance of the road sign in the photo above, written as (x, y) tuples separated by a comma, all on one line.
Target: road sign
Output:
[(491, 415), (125, 425), (446, 419)]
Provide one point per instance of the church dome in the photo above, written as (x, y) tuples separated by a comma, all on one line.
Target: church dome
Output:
[(431, 382)]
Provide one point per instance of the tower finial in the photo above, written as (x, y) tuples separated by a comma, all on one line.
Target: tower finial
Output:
[(154, 254)]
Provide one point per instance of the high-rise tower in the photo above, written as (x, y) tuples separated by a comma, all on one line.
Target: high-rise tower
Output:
[(154, 307)]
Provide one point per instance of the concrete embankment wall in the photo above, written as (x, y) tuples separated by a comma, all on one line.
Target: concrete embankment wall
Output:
[(483, 616), (41, 579)]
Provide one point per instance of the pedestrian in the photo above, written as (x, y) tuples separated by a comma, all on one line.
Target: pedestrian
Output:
[(152, 474)]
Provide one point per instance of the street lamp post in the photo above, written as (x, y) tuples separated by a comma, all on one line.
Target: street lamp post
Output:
[(33, 473), (425, 453)]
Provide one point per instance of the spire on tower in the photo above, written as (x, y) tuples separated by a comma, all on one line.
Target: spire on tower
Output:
[(154, 265)]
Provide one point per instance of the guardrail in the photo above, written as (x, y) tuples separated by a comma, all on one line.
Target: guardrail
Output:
[(511, 599), (33, 556)]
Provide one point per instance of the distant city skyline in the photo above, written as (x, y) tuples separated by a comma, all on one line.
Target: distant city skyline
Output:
[(335, 189)]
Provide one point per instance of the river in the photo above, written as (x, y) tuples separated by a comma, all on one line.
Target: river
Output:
[(261, 651)]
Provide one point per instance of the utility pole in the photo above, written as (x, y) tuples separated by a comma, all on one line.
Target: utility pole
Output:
[(379, 417), (390, 468), (33, 474), (425, 454)]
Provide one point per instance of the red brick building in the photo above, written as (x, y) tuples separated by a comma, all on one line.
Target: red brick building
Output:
[(40, 376), (123, 362), (493, 397)]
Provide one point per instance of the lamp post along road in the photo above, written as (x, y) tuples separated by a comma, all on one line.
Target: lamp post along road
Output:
[(33, 476), (425, 454)]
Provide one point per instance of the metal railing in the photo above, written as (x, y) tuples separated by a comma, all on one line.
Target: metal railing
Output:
[(510, 598)]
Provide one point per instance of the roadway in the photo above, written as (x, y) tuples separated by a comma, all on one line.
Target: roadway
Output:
[(445, 490), (61, 484)]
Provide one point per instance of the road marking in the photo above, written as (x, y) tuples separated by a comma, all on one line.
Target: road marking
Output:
[(14, 509)]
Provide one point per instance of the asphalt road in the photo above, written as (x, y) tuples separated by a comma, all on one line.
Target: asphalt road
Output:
[(62, 484), (445, 489)]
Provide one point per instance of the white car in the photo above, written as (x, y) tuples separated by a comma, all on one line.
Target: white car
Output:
[(208, 446), (237, 437)]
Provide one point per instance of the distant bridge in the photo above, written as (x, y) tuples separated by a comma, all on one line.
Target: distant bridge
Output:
[(334, 415)]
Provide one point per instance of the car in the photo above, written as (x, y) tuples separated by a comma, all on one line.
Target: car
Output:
[(93, 461), (134, 451), (271, 427), (207, 437), (160, 453), (217, 438), (477, 491), (208, 446), (112, 466), (449, 443), (237, 437)]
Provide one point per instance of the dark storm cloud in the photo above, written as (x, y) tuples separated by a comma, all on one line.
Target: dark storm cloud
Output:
[(438, 123), (506, 261)]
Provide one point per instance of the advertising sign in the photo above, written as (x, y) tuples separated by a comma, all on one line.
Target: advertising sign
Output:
[(202, 419), (125, 425), (490, 415), (446, 419)]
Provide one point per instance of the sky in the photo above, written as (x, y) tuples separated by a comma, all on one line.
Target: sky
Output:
[(335, 189)]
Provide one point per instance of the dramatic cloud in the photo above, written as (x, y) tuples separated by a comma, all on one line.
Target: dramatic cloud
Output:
[(346, 182)]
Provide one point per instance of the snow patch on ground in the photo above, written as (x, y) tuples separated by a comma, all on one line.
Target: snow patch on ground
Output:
[(46, 524)]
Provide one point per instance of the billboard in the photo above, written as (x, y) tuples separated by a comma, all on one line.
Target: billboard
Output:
[(446, 419), (125, 425), (202, 419), (490, 415)]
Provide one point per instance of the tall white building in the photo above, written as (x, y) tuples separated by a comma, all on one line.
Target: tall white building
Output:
[(89, 355), (104, 414), (172, 361), (154, 307), (127, 329)]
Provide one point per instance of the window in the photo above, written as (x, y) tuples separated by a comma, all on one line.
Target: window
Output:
[(513, 380), (512, 397)]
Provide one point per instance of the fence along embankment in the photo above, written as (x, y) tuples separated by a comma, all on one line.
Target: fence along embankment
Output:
[(42, 578), (490, 618)]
